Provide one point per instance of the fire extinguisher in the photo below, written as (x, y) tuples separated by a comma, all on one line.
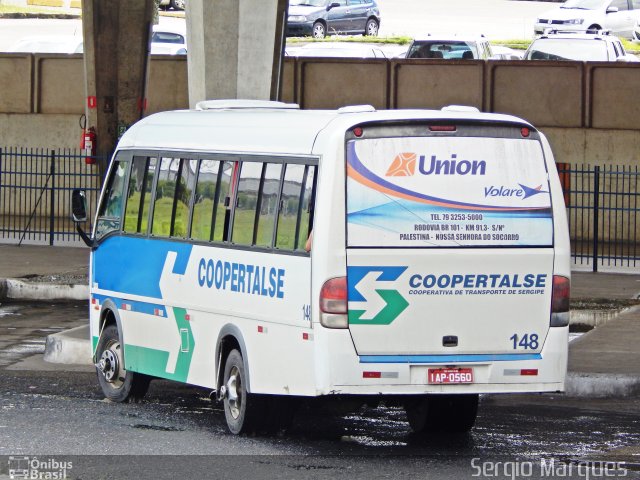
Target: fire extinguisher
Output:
[(88, 141), (89, 145)]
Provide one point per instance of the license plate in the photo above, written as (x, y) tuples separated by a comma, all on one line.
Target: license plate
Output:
[(450, 375)]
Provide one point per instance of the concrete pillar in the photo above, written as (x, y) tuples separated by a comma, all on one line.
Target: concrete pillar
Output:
[(235, 48), (116, 57)]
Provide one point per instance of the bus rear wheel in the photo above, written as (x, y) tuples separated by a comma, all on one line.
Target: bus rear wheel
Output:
[(442, 413), (118, 384), (242, 410)]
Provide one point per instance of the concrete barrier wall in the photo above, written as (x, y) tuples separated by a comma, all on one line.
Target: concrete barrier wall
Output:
[(548, 94), (16, 78), (168, 86), (334, 83), (59, 84), (589, 111), (430, 84)]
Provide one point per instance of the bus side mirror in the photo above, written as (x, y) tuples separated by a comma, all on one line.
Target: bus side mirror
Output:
[(79, 214), (78, 206)]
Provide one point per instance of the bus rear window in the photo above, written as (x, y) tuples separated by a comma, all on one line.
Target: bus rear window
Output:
[(447, 191)]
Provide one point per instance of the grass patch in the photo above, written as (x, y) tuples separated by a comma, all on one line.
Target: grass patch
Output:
[(515, 44), (630, 47)]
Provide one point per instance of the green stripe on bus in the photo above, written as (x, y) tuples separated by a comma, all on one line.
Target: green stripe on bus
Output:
[(153, 362)]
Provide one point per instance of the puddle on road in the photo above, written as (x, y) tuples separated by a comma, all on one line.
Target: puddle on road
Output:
[(6, 310)]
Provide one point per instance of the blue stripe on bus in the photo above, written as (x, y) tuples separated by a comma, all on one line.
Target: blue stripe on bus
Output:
[(141, 258), (502, 357)]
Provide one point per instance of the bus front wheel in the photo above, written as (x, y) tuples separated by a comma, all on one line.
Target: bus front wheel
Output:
[(442, 413), (241, 409), (118, 384)]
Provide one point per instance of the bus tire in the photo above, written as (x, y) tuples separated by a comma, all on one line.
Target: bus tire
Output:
[(117, 384), (242, 409), (442, 413)]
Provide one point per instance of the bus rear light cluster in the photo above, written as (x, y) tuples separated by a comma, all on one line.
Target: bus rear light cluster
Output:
[(333, 303), (560, 301)]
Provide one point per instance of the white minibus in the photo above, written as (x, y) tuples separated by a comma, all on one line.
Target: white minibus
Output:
[(272, 254)]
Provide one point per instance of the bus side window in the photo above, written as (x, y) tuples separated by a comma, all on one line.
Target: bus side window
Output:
[(244, 215), (223, 210), (136, 215), (267, 205), (110, 211), (289, 206), (205, 204), (184, 190), (305, 214)]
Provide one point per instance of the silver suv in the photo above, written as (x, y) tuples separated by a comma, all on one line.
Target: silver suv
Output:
[(592, 46)]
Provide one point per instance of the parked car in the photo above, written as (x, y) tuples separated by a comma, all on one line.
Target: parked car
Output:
[(175, 4), (451, 47), (169, 39), (319, 18), (596, 46), (619, 16), (336, 49), (636, 32), (506, 53)]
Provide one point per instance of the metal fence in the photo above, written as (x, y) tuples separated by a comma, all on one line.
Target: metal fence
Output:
[(602, 206), (35, 194)]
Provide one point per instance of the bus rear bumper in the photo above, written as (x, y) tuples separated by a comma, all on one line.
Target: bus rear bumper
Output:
[(409, 375)]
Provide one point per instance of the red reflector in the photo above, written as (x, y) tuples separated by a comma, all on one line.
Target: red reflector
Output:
[(442, 128), (305, 336), (94, 301), (560, 294), (260, 329), (333, 296), (187, 317), (525, 132), (371, 374), (358, 131), (529, 372)]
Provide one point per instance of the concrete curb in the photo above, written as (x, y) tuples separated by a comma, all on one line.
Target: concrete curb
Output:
[(69, 347), (19, 290), (600, 385)]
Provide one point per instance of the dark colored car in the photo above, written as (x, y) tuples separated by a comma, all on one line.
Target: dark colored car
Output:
[(319, 18)]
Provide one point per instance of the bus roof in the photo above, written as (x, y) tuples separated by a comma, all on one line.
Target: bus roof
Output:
[(270, 130)]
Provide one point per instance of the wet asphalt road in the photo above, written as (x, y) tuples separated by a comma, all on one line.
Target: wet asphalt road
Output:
[(177, 432)]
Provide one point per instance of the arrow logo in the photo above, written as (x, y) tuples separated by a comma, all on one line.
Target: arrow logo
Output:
[(381, 305)]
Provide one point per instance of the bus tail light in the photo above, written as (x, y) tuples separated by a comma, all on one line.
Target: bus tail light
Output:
[(560, 301), (333, 303)]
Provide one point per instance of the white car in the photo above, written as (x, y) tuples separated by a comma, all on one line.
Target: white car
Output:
[(506, 53), (169, 39), (591, 47), (619, 16)]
